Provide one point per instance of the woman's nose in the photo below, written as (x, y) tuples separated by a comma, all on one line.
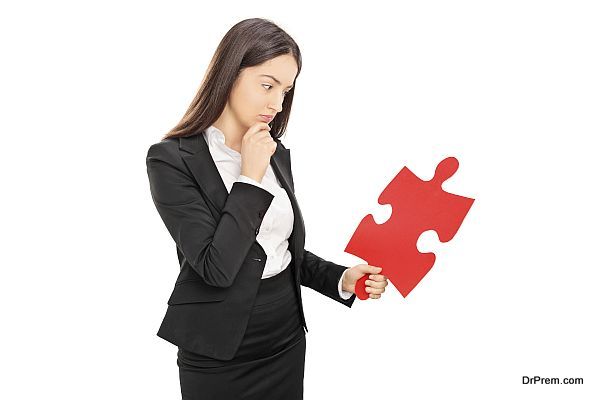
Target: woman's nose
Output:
[(277, 103)]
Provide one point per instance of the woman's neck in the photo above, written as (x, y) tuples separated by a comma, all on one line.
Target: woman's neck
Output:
[(232, 130)]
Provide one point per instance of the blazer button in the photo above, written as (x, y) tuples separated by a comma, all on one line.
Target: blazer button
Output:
[(260, 214), (256, 231)]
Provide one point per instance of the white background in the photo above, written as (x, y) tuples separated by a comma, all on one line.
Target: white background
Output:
[(510, 88)]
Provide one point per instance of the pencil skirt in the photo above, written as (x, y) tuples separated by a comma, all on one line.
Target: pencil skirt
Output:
[(268, 365)]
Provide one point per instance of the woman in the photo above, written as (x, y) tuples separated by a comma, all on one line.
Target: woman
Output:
[(222, 183)]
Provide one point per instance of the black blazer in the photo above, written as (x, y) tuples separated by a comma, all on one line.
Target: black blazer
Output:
[(221, 263)]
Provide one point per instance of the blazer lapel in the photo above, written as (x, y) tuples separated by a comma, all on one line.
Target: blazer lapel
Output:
[(204, 170), (198, 159)]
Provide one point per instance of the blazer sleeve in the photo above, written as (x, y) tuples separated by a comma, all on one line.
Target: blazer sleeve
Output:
[(323, 276), (215, 250)]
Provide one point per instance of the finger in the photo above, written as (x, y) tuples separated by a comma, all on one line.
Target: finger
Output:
[(264, 136), (372, 269), (375, 284), (263, 125), (374, 296), (374, 290), (258, 129), (268, 142), (377, 277)]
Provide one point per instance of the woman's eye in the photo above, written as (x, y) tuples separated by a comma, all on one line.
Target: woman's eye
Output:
[(270, 86)]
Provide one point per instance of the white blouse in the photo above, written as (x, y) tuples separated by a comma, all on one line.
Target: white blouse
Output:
[(278, 222)]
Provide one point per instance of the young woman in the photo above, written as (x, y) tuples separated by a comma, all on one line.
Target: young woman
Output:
[(222, 183)]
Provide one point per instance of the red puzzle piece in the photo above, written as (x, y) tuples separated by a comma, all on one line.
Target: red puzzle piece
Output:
[(417, 206)]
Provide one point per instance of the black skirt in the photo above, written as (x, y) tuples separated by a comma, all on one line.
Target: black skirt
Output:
[(268, 365)]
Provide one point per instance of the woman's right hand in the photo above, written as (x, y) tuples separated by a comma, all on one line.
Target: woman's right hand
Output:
[(257, 148)]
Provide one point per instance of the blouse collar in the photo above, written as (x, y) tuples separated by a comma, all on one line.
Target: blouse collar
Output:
[(216, 138)]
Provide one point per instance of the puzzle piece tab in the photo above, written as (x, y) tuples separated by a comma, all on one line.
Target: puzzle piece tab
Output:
[(417, 206)]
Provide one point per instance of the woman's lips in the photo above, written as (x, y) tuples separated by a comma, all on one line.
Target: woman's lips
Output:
[(266, 118)]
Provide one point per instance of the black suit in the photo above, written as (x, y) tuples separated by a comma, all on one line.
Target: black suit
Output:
[(221, 263)]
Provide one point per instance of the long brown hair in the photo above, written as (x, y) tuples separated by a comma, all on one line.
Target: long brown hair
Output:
[(248, 43)]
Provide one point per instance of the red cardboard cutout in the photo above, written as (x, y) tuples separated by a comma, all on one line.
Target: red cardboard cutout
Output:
[(417, 206)]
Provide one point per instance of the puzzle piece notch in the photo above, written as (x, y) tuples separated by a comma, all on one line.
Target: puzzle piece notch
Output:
[(417, 206)]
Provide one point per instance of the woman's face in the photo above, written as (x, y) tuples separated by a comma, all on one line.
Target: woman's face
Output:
[(261, 90)]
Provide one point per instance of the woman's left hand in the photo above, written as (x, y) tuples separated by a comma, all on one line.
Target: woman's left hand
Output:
[(375, 283)]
